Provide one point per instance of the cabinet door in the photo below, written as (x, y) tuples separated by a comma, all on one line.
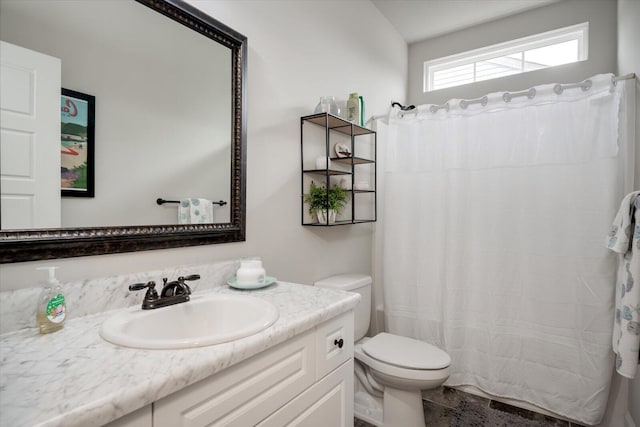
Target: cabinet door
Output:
[(328, 403), (243, 394), (330, 354)]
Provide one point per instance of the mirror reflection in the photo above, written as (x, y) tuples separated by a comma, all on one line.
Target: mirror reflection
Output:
[(163, 112)]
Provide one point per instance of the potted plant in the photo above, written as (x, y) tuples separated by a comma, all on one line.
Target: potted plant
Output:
[(322, 201)]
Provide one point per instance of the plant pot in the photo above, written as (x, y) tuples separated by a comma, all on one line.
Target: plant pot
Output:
[(322, 216)]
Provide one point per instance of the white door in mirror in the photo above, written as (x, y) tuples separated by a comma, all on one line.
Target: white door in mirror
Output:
[(29, 138)]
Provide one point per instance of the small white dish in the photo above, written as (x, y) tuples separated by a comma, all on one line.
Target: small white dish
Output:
[(342, 150), (268, 281)]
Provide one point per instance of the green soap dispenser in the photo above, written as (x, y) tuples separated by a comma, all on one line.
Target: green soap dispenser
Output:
[(51, 310)]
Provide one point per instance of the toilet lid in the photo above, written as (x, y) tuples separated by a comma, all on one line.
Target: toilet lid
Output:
[(406, 352)]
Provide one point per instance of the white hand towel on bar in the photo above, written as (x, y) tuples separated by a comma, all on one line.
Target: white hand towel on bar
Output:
[(195, 211), (624, 239)]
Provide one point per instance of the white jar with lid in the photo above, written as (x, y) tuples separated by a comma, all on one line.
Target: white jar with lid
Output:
[(250, 272)]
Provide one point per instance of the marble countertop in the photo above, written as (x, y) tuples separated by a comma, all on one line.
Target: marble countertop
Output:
[(74, 378)]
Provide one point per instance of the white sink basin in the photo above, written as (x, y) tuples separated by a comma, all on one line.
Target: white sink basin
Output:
[(205, 320)]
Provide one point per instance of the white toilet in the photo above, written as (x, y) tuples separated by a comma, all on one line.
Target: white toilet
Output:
[(390, 370)]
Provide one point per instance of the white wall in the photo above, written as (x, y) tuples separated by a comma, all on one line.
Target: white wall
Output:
[(601, 15), (298, 51), (629, 62)]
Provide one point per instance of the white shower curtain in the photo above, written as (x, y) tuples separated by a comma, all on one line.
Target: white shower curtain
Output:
[(492, 222)]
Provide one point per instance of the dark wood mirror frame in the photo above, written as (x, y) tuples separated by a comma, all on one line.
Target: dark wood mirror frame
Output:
[(32, 245)]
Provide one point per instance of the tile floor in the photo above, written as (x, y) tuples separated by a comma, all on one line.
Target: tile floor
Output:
[(447, 407)]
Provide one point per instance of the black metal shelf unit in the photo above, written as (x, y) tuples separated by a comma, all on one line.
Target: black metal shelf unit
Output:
[(343, 170)]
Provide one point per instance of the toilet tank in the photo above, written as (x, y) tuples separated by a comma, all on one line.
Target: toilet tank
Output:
[(361, 284)]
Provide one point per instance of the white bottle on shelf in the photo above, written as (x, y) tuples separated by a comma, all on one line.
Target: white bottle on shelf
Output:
[(353, 108)]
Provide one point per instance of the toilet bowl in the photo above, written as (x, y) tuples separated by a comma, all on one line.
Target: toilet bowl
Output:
[(403, 367), (390, 370)]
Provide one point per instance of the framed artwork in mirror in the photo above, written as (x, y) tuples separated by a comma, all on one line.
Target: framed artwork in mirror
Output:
[(77, 144)]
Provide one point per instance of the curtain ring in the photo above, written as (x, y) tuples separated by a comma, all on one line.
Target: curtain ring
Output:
[(586, 85), (506, 97), (434, 108), (558, 89)]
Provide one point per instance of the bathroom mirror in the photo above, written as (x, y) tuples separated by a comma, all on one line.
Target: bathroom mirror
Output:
[(200, 153)]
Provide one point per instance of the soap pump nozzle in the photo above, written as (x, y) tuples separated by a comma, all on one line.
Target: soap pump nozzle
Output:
[(52, 281)]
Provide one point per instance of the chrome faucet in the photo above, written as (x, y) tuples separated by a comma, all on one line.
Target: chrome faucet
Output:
[(173, 292)]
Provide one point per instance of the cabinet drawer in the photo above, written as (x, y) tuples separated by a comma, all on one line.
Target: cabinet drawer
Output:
[(329, 402), (243, 394), (328, 354)]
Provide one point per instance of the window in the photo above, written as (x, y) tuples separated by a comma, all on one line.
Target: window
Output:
[(557, 47)]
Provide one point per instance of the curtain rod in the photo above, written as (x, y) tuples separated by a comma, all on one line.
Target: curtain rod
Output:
[(530, 93), (411, 108), (507, 97), (402, 107), (629, 76)]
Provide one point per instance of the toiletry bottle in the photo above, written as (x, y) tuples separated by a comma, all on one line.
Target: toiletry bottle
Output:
[(327, 104), (51, 309), (353, 108)]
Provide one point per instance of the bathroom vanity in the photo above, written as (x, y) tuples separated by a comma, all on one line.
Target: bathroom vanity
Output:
[(299, 369)]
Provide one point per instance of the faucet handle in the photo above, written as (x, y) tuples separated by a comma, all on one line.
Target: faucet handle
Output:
[(182, 279), (151, 291), (141, 286)]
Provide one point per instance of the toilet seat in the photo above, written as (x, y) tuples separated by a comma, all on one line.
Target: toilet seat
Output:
[(395, 370), (406, 352)]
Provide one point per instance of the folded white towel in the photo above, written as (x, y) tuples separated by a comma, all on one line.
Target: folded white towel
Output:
[(624, 239), (195, 211)]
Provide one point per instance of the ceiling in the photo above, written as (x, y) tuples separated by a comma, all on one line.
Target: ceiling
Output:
[(418, 20)]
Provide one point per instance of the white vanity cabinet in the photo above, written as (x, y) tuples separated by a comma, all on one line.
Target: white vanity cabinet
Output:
[(307, 380), (297, 371), (140, 418)]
